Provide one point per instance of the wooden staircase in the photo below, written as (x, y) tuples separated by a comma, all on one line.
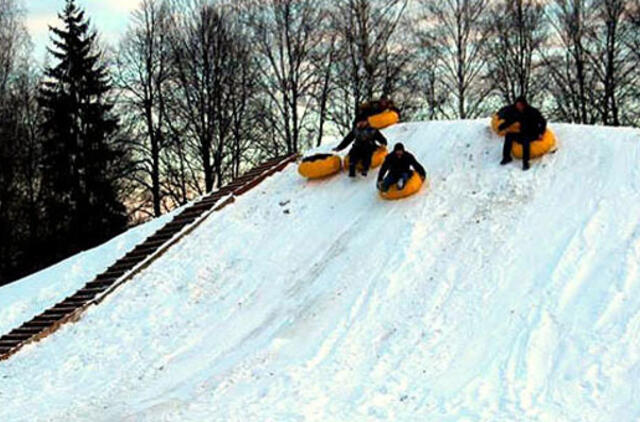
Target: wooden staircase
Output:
[(95, 291)]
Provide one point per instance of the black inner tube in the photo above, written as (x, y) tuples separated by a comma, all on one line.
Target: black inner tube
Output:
[(316, 157)]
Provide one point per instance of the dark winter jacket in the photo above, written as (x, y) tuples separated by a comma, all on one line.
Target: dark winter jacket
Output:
[(396, 166), (507, 113), (364, 138), (532, 124)]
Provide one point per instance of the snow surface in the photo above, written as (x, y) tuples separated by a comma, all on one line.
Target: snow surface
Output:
[(494, 295), (23, 299)]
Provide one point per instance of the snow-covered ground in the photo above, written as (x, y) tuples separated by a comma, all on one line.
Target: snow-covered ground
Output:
[(494, 295), (28, 297)]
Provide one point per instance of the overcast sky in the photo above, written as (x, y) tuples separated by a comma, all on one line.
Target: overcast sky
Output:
[(109, 17)]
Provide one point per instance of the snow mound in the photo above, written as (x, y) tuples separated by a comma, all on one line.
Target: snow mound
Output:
[(496, 294)]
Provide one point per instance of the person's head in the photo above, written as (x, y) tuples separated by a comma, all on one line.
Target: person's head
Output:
[(385, 102), (521, 104), (398, 149)]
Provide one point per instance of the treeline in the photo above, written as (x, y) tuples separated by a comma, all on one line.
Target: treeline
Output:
[(196, 91)]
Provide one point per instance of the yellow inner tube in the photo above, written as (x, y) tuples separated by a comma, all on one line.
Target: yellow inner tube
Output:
[(376, 161), (539, 147), (320, 165), (413, 185), (496, 121), (384, 119)]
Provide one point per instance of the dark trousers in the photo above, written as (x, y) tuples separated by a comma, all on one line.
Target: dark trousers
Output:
[(395, 178), (524, 140), (362, 154)]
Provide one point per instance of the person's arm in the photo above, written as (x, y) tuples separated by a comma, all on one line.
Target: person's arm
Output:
[(508, 121), (542, 124), (418, 167), (383, 169), (345, 142), (379, 138)]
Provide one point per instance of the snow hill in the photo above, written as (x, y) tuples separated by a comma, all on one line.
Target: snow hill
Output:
[(494, 295)]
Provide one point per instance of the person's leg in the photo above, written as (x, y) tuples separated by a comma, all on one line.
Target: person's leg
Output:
[(367, 155), (403, 179), (354, 157), (526, 154), (388, 181), (506, 149)]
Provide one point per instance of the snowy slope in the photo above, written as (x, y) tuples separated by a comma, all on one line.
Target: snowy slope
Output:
[(23, 299), (495, 295)]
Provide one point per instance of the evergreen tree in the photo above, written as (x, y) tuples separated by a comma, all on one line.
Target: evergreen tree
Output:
[(81, 158)]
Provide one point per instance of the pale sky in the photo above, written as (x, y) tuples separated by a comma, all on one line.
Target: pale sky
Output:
[(109, 17)]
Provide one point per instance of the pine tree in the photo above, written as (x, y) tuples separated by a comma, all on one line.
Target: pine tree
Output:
[(81, 158)]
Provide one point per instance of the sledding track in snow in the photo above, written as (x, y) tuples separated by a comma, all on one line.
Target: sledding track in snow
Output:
[(94, 292), (495, 295)]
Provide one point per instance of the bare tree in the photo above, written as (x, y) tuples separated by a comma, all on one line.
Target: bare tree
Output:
[(286, 35), (518, 30), (20, 147), (374, 57), (144, 75), (205, 59), (612, 60), (457, 32), (566, 59)]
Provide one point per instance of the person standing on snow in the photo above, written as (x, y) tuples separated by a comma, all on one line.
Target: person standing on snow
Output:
[(397, 169), (365, 142), (532, 127)]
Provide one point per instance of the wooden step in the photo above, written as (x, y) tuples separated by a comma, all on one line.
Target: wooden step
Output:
[(37, 324), (31, 331), (92, 290), (105, 283), (71, 302), (138, 255), (183, 220), (16, 337), (110, 275), (54, 313), (125, 265), (47, 319)]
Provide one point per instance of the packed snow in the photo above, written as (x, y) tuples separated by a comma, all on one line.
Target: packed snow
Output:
[(494, 294), (23, 299)]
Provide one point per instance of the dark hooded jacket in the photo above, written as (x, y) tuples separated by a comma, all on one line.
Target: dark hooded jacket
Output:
[(532, 124), (367, 138), (396, 166)]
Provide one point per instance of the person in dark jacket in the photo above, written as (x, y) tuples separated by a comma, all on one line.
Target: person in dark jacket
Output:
[(365, 142), (532, 127), (397, 169)]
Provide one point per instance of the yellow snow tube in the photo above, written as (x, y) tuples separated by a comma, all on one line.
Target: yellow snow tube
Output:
[(496, 121), (413, 185), (376, 161), (384, 119), (320, 165), (539, 147)]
